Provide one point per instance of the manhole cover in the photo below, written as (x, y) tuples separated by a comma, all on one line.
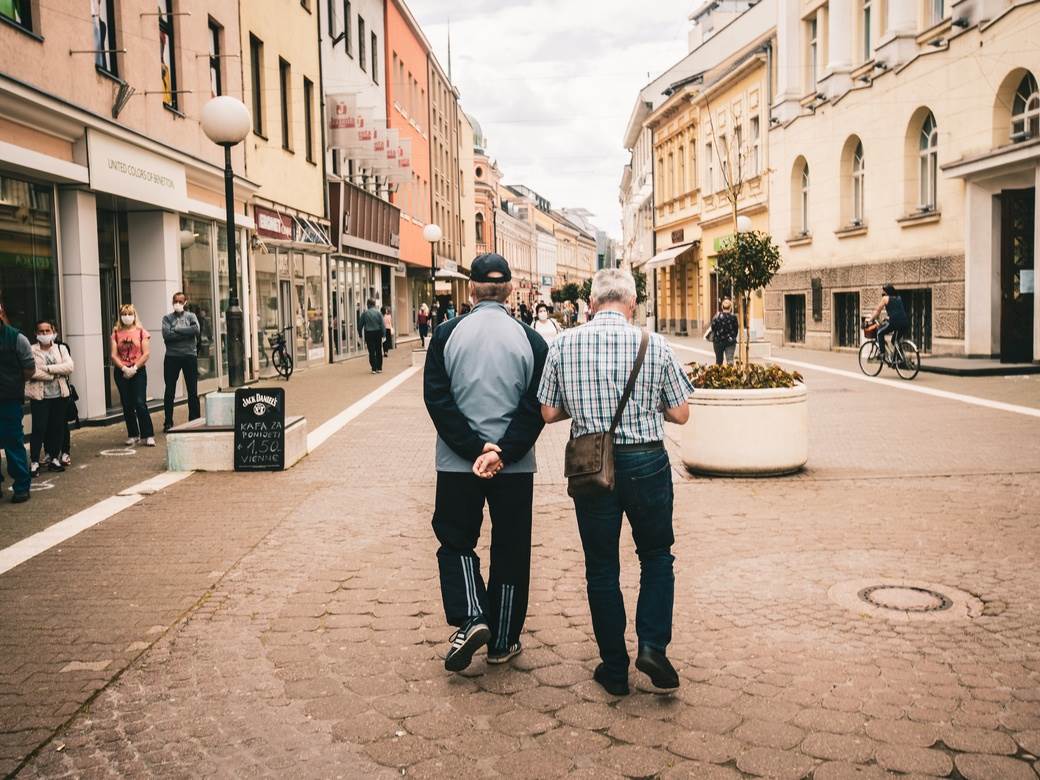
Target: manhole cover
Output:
[(905, 599)]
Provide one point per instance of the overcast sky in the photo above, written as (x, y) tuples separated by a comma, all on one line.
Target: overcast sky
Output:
[(553, 82)]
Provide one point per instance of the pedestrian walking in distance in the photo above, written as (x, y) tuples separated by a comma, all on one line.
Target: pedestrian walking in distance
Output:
[(388, 323), (129, 354), (371, 323), (723, 333), (17, 365), (481, 378), (585, 371), (546, 326), (181, 331), (48, 395), (422, 323)]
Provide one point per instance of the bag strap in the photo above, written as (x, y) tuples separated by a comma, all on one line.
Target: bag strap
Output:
[(630, 386)]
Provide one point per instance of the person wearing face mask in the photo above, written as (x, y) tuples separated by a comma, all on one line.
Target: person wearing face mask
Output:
[(181, 330), (48, 394), (544, 325), (129, 354)]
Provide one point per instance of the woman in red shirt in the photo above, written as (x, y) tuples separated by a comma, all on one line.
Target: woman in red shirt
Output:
[(129, 354)]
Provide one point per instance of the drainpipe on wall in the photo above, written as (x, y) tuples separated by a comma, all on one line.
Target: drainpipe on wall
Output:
[(325, 194)]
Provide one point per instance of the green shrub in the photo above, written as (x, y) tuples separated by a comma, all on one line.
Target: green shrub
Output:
[(741, 376)]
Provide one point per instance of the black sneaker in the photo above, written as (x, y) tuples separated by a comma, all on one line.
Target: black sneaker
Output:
[(34, 470), (55, 465), (465, 642), (501, 656), (655, 665), (612, 686), (20, 498)]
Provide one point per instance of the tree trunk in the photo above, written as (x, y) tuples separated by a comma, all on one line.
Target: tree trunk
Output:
[(746, 357)]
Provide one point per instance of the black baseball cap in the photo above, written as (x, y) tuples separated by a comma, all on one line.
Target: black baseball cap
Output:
[(490, 268)]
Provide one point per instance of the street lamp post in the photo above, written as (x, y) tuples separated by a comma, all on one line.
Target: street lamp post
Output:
[(226, 122), (433, 233)]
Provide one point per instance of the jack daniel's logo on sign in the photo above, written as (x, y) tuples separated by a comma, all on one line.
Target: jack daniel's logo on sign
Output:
[(259, 429)]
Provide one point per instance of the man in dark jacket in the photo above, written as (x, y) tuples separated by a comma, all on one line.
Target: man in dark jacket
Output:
[(16, 366), (181, 331), (371, 324), (481, 379)]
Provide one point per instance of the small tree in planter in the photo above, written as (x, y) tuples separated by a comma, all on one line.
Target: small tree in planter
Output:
[(748, 261)]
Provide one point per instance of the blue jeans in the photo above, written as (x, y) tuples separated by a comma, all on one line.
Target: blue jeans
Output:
[(12, 439), (643, 492)]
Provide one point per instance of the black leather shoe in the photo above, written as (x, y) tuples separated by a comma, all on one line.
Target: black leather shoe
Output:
[(19, 498), (655, 665), (610, 685)]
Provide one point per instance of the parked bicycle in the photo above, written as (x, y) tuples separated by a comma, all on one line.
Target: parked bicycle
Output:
[(281, 355), (903, 355)]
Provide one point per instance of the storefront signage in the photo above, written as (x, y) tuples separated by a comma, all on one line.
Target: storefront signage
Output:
[(272, 224), (678, 236), (547, 281), (260, 429), (450, 265), (720, 241), (121, 168)]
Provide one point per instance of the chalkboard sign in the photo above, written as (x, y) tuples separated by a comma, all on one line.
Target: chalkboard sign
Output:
[(260, 429)]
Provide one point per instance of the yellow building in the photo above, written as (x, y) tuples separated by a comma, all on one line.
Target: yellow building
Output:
[(709, 167), (284, 155)]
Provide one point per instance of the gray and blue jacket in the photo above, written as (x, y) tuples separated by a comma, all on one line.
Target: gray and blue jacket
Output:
[(480, 385)]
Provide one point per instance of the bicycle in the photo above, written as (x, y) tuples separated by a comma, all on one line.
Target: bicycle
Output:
[(904, 357), (281, 356)]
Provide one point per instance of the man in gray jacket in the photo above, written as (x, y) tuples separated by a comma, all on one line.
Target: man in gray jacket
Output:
[(480, 383), (371, 323), (181, 331)]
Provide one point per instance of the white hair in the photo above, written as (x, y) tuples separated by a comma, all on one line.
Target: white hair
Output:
[(613, 285)]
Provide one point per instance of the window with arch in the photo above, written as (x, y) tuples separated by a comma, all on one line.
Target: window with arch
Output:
[(858, 184), (671, 177), (800, 198), (804, 198), (1025, 110), (479, 222), (928, 165)]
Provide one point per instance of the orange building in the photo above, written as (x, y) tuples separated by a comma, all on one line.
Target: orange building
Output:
[(408, 112)]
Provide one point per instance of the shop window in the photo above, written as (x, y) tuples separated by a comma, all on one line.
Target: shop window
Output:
[(794, 319), (216, 85), (167, 57), (19, 12), (222, 290), (103, 17), (197, 283), (28, 269), (846, 319), (918, 305), (257, 82)]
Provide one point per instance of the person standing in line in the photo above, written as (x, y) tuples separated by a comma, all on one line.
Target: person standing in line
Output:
[(482, 372), (48, 395), (585, 372), (129, 354), (422, 323), (17, 366), (181, 331), (388, 323), (449, 313), (723, 333), (545, 326), (374, 328)]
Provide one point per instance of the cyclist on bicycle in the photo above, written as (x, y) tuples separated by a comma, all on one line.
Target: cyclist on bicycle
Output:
[(898, 322)]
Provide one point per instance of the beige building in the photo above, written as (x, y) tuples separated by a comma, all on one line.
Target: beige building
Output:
[(109, 191), (515, 233), (907, 150), (467, 192), (285, 154), (445, 182)]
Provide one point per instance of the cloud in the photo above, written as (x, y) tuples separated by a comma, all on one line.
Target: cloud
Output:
[(552, 83)]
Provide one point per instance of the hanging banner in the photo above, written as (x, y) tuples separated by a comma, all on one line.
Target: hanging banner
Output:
[(342, 120), (402, 173)]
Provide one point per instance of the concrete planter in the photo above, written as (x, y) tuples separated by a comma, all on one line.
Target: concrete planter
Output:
[(747, 433)]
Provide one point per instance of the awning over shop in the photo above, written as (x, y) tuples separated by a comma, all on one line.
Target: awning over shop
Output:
[(447, 273), (666, 259)]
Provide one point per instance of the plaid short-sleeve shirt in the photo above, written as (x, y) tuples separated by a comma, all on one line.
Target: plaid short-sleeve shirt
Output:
[(586, 371)]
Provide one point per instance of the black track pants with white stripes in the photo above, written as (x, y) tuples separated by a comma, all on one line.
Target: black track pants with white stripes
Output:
[(457, 519)]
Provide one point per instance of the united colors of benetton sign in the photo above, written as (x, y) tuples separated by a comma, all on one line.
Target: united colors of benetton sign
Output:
[(129, 171)]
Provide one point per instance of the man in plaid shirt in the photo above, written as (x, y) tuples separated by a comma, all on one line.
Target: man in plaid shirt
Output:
[(584, 377)]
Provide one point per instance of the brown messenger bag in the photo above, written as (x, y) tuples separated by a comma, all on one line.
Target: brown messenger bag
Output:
[(589, 461)]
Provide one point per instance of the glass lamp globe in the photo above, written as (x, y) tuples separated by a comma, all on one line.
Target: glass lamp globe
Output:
[(225, 120), (433, 233), (743, 224)]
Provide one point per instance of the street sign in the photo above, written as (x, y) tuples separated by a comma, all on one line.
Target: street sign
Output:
[(260, 429)]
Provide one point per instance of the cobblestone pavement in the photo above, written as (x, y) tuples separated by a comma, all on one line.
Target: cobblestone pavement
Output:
[(291, 623)]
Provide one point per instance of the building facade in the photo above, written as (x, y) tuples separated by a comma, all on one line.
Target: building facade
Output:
[(365, 228), (936, 193), (486, 180), (285, 156), (467, 191), (514, 229), (445, 182), (109, 191)]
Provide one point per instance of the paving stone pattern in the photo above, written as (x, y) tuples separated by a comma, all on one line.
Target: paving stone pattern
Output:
[(316, 650)]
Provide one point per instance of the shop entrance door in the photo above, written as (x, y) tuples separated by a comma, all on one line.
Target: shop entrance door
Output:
[(1017, 281), (114, 279)]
